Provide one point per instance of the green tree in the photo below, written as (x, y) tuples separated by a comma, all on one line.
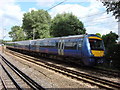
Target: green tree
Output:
[(98, 34), (112, 49), (113, 53), (1, 41), (17, 33), (109, 39), (66, 24), (37, 23), (113, 6)]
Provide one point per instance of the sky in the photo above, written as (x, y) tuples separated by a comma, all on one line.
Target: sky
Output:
[(91, 12)]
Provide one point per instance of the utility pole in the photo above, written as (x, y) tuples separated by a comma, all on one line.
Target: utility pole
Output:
[(2, 36), (119, 30), (3, 41), (33, 33)]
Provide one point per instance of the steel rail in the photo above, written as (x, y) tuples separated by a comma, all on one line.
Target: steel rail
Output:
[(4, 87), (108, 72), (95, 80), (99, 70), (27, 79), (12, 79)]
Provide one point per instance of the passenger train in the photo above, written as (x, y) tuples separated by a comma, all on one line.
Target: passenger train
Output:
[(89, 49)]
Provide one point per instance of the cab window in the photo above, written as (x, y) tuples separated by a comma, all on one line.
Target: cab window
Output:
[(96, 44)]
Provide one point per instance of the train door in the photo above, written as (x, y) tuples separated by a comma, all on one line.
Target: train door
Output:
[(79, 47), (61, 47)]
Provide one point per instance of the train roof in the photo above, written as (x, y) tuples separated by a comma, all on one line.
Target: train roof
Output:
[(56, 38), (71, 36)]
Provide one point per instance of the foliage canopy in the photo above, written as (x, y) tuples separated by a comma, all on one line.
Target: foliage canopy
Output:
[(113, 53), (109, 39), (37, 23), (17, 33), (112, 49), (113, 6), (66, 24), (98, 34)]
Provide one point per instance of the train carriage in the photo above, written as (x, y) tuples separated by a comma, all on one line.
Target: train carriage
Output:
[(89, 49)]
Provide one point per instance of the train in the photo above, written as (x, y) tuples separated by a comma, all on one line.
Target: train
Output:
[(88, 48)]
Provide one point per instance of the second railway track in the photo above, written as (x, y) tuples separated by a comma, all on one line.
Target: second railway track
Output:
[(102, 83), (24, 78)]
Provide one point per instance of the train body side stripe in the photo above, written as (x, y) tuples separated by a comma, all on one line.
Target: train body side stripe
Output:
[(95, 38)]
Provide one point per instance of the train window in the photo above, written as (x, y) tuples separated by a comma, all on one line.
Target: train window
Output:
[(96, 44), (71, 44), (79, 45), (37, 43), (80, 41), (44, 43), (56, 44), (52, 44), (48, 44), (41, 43)]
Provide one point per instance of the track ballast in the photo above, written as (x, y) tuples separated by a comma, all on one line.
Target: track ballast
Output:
[(102, 83)]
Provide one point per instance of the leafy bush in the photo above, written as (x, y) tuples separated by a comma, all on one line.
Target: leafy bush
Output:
[(113, 55)]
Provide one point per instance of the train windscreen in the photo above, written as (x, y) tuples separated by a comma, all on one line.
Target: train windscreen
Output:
[(96, 44)]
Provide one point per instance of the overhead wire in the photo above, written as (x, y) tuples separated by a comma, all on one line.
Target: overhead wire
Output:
[(98, 19), (56, 5), (92, 15), (111, 23), (85, 16), (70, 7)]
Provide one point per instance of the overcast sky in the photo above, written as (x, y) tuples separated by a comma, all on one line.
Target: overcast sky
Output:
[(91, 12)]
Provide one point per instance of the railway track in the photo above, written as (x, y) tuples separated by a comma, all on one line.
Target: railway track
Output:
[(108, 72), (11, 70), (3, 84), (101, 83), (94, 70)]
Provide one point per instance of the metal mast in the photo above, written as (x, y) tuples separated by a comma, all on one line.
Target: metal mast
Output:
[(119, 29)]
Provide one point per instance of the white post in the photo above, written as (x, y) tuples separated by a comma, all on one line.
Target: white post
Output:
[(3, 40), (119, 29), (33, 34)]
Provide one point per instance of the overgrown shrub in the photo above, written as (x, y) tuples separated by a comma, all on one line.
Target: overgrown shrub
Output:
[(113, 55)]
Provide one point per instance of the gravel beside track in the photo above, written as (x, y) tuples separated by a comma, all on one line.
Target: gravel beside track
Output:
[(45, 77), (108, 72), (19, 79), (5, 80), (103, 74), (83, 76)]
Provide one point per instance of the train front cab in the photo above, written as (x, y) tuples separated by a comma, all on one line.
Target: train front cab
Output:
[(97, 49)]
